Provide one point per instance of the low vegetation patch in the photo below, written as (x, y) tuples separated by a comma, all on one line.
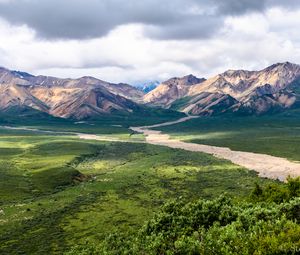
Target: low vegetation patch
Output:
[(58, 192), (217, 226)]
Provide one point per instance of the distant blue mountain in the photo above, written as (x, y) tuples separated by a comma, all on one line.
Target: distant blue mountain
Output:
[(147, 86)]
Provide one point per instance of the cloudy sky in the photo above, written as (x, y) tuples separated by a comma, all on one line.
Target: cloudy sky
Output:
[(139, 40)]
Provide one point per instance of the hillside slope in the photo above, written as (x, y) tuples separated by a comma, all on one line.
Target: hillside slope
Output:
[(68, 98), (272, 89), (171, 90)]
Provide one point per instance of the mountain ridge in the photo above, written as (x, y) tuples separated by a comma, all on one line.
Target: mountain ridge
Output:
[(255, 92), (67, 98), (171, 90), (272, 89)]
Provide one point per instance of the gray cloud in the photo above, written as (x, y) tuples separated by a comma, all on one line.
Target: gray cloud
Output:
[(203, 26), (168, 19), (240, 6), (289, 4), (76, 19)]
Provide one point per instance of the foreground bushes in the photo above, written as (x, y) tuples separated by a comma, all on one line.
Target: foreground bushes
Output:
[(217, 226), (277, 193), (268, 223)]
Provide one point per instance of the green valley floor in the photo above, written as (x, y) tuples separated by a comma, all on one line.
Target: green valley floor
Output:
[(58, 191)]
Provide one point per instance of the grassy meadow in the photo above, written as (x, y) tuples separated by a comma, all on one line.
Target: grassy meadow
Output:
[(57, 191)]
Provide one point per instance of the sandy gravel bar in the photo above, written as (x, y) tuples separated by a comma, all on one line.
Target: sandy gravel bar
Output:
[(266, 165)]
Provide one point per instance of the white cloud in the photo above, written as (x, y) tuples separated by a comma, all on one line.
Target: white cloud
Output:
[(127, 54)]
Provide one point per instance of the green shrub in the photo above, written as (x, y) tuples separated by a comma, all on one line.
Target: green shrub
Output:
[(276, 193), (217, 226)]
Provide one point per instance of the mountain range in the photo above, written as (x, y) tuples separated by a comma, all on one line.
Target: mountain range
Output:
[(273, 89), (67, 98)]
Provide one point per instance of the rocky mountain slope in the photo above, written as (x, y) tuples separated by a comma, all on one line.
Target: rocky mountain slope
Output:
[(272, 89), (171, 90), (67, 98)]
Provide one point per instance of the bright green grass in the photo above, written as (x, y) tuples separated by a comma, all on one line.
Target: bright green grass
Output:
[(277, 135), (58, 191)]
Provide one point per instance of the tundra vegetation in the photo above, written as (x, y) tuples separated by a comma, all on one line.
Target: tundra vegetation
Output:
[(60, 194)]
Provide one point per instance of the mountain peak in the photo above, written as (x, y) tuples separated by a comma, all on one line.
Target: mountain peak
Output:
[(192, 79), (283, 65), (184, 81), (190, 76), (21, 74), (232, 72), (171, 90), (286, 63)]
